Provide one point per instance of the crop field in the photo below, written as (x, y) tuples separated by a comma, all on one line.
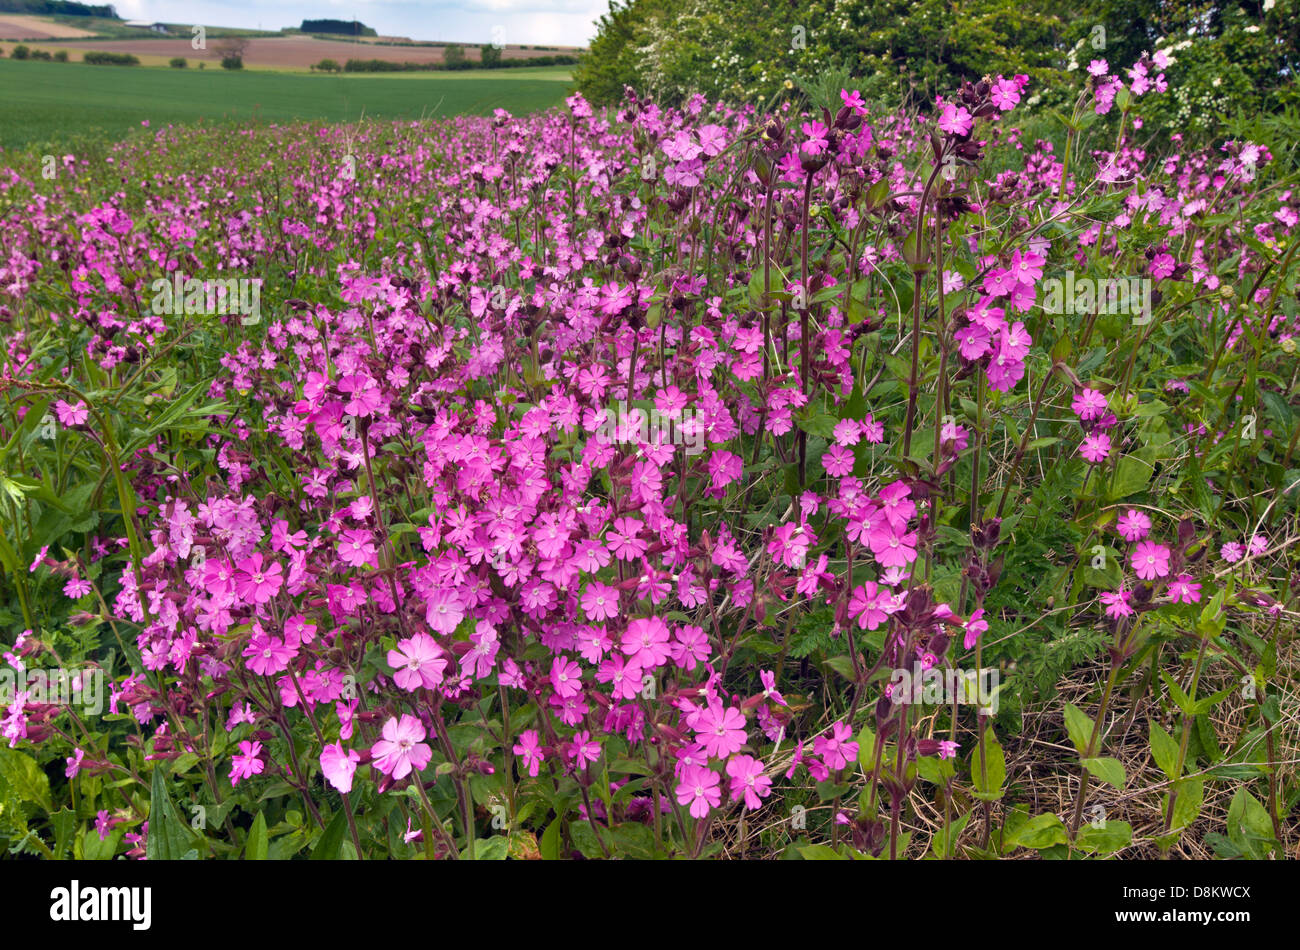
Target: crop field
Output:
[(63, 100), (18, 27), (274, 52)]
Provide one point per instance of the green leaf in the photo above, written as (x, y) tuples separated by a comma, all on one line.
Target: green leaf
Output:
[(255, 847), (1249, 826), (633, 840), (584, 839), (1039, 832), (820, 852), (842, 665), (330, 844), (1079, 727), (815, 420), (867, 749), (25, 778), (1181, 698), (494, 848), (934, 769), (1191, 794), (942, 844), (93, 849), (1164, 749), (1107, 769), (549, 846), (1205, 704), (1110, 837), (169, 838), (988, 783), (1131, 476), (65, 824)]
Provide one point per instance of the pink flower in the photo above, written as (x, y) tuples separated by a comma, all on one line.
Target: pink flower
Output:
[(584, 751), (954, 119), (566, 677), (1184, 590), (74, 763), (1089, 404), (972, 342), (847, 432), (255, 583), (364, 395), (1133, 525), (529, 749), (837, 750), (246, 763), (1150, 560), (870, 605), (955, 436), (1005, 94), (690, 646), (721, 730), (1117, 603), (402, 748), (418, 662), (72, 415), (357, 548), (1095, 447), (976, 627), (1162, 266), (646, 642), (748, 780), (600, 601), (947, 749), (444, 610), (837, 461), (893, 550), (768, 679), (1231, 552), (699, 789), (267, 655), (816, 142), (77, 587), (339, 765)]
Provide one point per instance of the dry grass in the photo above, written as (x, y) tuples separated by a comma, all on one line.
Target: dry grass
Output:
[(15, 26), (1043, 769)]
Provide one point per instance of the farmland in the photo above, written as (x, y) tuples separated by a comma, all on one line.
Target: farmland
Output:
[(17, 27), (63, 100), (275, 52)]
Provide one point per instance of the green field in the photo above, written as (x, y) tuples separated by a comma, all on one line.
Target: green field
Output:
[(52, 102)]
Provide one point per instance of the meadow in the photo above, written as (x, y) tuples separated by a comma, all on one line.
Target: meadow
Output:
[(50, 102), (818, 481)]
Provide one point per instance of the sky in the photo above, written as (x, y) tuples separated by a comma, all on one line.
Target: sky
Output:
[(530, 22)]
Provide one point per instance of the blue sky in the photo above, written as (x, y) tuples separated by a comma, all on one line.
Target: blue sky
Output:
[(531, 22)]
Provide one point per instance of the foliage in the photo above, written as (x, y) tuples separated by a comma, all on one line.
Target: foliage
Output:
[(103, 58), (1226, 55)]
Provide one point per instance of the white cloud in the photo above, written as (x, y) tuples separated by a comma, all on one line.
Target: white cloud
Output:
[(532, 22)]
